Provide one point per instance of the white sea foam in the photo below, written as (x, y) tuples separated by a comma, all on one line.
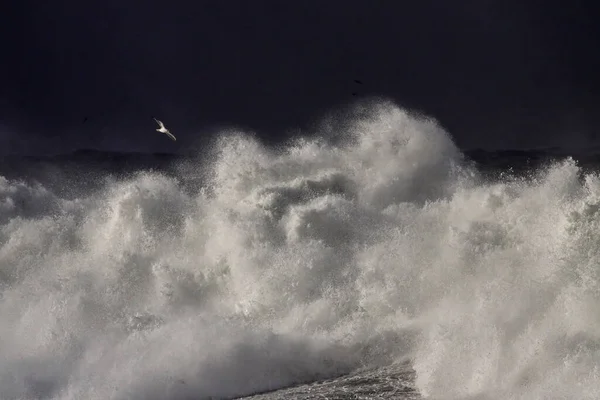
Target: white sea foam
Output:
[(305, 262)]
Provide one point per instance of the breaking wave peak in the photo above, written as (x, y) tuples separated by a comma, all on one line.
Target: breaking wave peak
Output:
[(305, 262)]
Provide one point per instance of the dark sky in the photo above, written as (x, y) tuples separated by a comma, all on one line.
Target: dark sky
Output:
[(496, 74)]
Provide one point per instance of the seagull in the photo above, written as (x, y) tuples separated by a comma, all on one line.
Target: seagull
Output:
[(164, 130)]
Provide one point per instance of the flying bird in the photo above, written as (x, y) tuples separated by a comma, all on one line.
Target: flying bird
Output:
[(164, 130)]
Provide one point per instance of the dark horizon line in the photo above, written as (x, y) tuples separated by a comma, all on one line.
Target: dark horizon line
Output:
[(557, 150)]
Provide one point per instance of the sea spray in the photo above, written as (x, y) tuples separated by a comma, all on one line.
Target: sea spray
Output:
[(300, 263)]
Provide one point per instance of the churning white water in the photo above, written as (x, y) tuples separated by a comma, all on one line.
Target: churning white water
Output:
[(301, 263)]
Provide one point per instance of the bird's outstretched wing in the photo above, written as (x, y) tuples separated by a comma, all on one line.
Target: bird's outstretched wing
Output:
[(169, 134), (159, 123)]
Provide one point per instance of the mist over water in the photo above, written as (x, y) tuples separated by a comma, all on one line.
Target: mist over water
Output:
[(300, 263)]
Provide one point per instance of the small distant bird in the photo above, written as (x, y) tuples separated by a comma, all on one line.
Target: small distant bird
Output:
[(164, 130), (357, 81)]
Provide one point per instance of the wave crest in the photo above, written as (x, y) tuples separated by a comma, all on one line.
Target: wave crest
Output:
[(304, 262)]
